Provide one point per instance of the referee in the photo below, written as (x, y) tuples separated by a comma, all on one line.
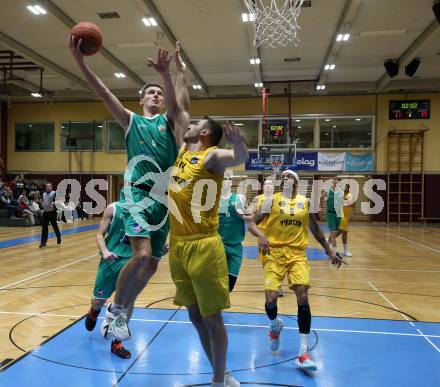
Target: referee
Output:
[(49, 215)]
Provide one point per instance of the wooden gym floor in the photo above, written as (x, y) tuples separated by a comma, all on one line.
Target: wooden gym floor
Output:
[(394, 274)]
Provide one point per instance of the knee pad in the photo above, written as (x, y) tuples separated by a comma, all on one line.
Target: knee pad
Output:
[(304, 319), (271, 310)]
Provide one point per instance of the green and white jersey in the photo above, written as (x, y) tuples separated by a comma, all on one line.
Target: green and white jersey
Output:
[(231, 226), (335, 201), (115, 239), (152, 137)]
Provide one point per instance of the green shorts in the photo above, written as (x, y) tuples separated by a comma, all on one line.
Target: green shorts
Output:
[(234, 256), (107, 276), (333, 221), (145, 218)]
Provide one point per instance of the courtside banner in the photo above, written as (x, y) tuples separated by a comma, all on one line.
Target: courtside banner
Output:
[(359, 163), (331, 161), (306, 161)]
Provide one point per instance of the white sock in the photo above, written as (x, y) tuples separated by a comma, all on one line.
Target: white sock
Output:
[(345, 247), (274, 323), (302, 343)]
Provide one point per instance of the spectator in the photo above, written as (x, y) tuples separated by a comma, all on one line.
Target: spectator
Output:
[(23, 203)]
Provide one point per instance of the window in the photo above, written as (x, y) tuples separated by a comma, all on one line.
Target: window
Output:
[(347, 132), (81, 136), (249, 127), (303, 133), (116, 136), (34, 136)]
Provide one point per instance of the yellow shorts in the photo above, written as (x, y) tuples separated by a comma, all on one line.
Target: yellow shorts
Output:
[(343, 225), (200, 272), (283, 261)]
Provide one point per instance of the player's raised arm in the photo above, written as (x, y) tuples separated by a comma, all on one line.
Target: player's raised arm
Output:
[(220, 159), (118, 111), (182, 98), (103, 227), (162, 66)]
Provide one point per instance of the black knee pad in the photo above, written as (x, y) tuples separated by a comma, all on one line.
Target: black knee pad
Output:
[(304, 319), (232, 281), (271, 310)]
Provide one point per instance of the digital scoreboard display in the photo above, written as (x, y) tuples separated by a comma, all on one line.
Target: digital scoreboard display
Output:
[(410, 110), (277, 128)]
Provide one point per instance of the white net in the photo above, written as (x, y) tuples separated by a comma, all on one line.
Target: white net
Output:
[(275, 21)]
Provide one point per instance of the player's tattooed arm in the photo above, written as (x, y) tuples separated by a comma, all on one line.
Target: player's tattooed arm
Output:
[(219, 159)]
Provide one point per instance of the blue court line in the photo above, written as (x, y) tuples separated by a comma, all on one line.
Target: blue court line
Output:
[(34, 238), (350, 352), (251, 252)]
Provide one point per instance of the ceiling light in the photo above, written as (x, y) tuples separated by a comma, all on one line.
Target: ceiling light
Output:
[(327, 119), (383, 33), (332, 66), (247, 17), (149, 21), (254, 61), (346, 37), (358, 119), (197, 87), (36, 95), (339, 37), (334, 126), (299, 127), (36, 9), (258, 84), (320, 87), (238, 124), (297, 120), (120, 75), (100, 126)]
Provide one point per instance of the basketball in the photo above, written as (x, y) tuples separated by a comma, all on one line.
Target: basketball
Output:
[(91, 37)]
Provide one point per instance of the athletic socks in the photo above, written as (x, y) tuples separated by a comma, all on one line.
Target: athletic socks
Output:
[(302, 343)]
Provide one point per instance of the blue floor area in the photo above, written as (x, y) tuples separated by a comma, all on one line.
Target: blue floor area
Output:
[(251, 252), (37, 237), (166, 353)]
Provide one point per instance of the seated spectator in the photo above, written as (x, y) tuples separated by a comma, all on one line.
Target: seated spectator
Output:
[(35, 207), (25, 211)]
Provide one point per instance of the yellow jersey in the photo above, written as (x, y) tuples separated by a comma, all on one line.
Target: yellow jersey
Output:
[(288, 222), (347, 204), (194, 195), (260, 199)]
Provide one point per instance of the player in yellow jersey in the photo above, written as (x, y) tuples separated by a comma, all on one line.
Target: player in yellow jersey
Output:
[(343, 226), (197, 256), (283, 243), (266, 198)]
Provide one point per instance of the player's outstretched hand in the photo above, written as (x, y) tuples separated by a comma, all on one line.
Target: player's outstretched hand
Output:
[(233, 133), (263, 245), (162, 65), (336, 259), (180, 64), (109, 256), (74, 46)]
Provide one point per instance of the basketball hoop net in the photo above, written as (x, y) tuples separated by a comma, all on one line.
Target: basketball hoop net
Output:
[(276, 166), (275, 21)]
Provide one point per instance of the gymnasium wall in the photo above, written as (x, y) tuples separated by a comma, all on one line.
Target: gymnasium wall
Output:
[(110, 162)]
